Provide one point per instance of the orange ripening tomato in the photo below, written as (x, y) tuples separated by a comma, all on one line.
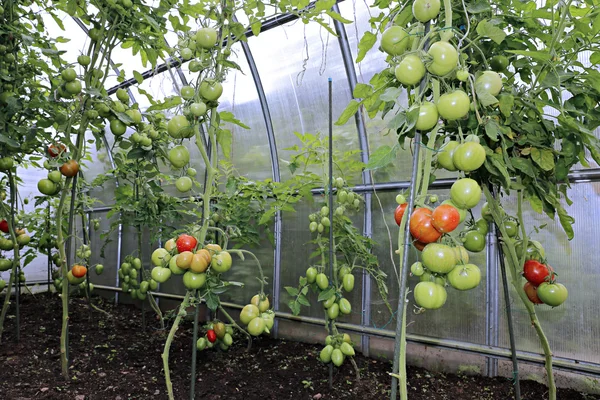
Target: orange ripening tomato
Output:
[(421, 226), (78, 271)]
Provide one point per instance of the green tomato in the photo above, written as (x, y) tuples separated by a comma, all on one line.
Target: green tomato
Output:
[(468, 156), (428, 116), (334, 311), (184, 184), (481, 226), (438, 258), (499, 63), (462, 75), (191, 172), (345, 306), (417, 269), (153, 284), (198, 109), (410, 70), (248, 313), (325, 355), (430, 295), (454, 105), (193, 281), (445, 155), (160, 257), (425, 10), (511, 227), (179, 156), (68, 74), (201, 344), (55, 176), (322, 281), (444, 58), (535, 250), (464, 277), (337, 357), (47, 187), (347, 349), (329, 302), (311, 275), (211, 91), (73, 87), (256, 326), (84, 60), (206, 38), (179, 127), (489, 81), (473, 241), (95, 34), (186, 53), (187, 92), (348, 282), (552, 294), (160, 274), (195, 66), (135, 115), (117, 127), (400, 199), (221, 262), (394, 40), (465, 193)]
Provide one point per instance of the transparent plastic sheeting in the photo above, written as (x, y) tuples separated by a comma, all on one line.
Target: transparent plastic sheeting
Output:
[(572, 328)]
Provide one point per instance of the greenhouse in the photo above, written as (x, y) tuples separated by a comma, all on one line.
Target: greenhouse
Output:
[(299, 200)]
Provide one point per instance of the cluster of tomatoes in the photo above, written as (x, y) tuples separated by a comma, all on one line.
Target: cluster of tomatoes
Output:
[(179, 157), (7, 244), (541, 286), (185, 256), (337, 348), (58, 157), (257, 316), (217, 333), (129, 273)]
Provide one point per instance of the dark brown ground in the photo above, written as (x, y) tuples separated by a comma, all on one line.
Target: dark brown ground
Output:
[(112, 358)]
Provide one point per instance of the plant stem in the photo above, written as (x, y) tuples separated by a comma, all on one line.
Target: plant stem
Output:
[(165, 355), (232, 321)]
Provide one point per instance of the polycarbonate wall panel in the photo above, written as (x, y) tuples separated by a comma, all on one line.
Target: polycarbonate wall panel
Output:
[(463, 315), (573, 327), (298, 99)]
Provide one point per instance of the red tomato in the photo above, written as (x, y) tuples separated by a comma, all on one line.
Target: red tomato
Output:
[(419, 245), (186, 243), (55, 150), (421, 226), (536, 272), (4, 226), (400, 212), (445, 218), (78, 271), (211, 336), (531, 292), (70, 168)]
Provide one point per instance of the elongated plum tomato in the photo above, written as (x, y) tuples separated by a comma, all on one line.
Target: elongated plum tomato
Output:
[(535, 272), (468, 156), (552, 294), (489, 81), (410, 70), (428, 116), (186, 243), (531, 292), (430, 295), (439, 258), (425, 10), (444, 58), (454, 105), (464, 277), (465, 193), (399, 213), (421, 226), (445, 218), (394, 40)]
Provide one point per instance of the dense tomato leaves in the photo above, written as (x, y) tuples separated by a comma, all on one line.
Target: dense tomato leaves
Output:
[(399, 213), (79, 271), (536, 272), (186, 243), (445, 218), (70, 168), (421, 226), (531, 292)]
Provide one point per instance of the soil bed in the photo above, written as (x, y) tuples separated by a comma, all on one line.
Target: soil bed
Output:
[(113, 358)]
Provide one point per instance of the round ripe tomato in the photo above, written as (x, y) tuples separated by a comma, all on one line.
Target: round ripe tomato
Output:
[(465, 193), (410, 70), (445, 58), (211, 90), (394, 40), (421, 227), (248, 313), (531, 292), (399, 213), (198, 109), (117, 127), (186, 243), (499, 63), (552, 294), (184, 184), (428, 116), (54, 150), (444, 156), (430, 295), (193, 281), (68, 74), (4, 226), (465, 277), (536, 272), (179, 127), (535, 250), (454, 105), (489, 81), (425, 10), (70, 168), (445, 218), (211, 336), (473, 241), (438, 258), (78, 271), (221, 262), (187, 92), (206, 37), (468, 156), (47, 187)]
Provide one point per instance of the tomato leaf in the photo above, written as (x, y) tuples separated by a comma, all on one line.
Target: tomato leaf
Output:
[(544, 158), (391, 94), (138, 77), (303, 300), (507, 102), (536, 55), (326, 294), (483, 96), (535, 202), (487, 29), (491, 129), (292, 291), (524, 165), (225, 139), (478, 7), (381, 157), (338, 17), (294, 306), (348, 112), (362, 90), (366, 43), (169, 102), (229, 117)]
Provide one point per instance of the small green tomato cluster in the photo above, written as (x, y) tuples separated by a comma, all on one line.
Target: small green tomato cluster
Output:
[(257, 315), (337, 348), (131, 278), (217, 334)]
